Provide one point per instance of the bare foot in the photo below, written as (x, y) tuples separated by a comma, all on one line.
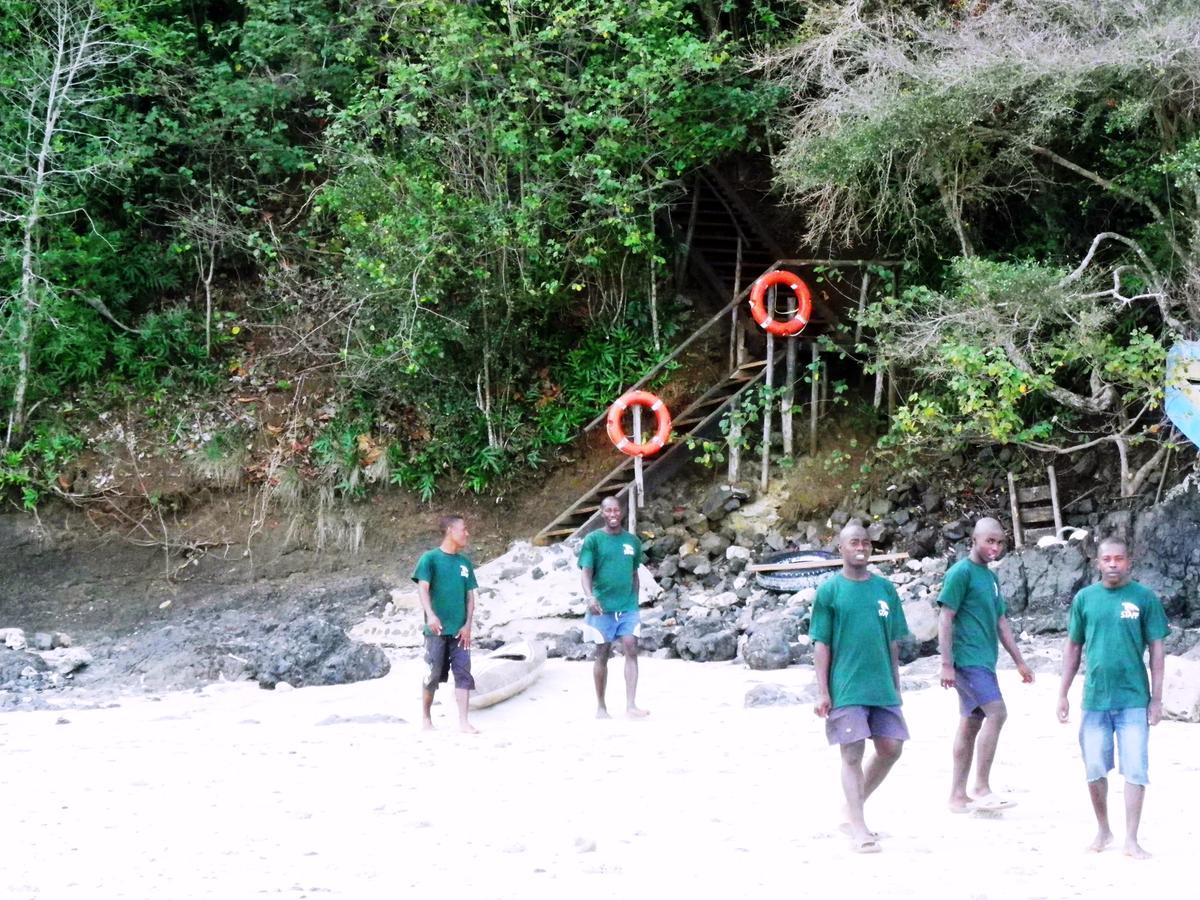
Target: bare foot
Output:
[(1134, 850), (634, 713), (1103, 839), (960, 805), (427, 724), (847, 829), (602, 713), (467, 728)]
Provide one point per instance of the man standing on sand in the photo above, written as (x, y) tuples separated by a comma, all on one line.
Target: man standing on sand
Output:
[(972, 618), (609, 560), (857, 621), (446, 585), (1114, 621)]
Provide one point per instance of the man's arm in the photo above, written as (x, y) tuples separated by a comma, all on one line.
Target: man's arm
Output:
[(821, 657), (896, 664), (1158, 655), (946, 645), (585, 575), (1009, 643), (1072, 653), (431, 619), (464, 634)]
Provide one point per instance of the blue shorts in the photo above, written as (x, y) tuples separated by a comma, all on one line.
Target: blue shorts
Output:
[(849, 724), (1131, 728), (607, 627), (977, 686)]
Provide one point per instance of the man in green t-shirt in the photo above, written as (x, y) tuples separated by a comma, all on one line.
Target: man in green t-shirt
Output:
[(857, 621), (446, 585), (972, 619), (1114, 622), (608, 561)]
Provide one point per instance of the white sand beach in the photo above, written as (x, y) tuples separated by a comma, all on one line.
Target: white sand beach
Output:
[(238, 792)]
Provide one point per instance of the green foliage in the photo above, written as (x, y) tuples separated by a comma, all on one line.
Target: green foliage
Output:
[(28, 472), (992, 352)]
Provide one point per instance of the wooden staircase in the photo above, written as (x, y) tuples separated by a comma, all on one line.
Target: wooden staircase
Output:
[(699, 420)]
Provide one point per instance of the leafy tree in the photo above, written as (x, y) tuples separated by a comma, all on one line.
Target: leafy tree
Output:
[(1057, 131)]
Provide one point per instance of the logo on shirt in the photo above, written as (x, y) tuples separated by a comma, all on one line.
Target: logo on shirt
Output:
[(884, 609), (462, 570), (628, 549), (1130, 611)]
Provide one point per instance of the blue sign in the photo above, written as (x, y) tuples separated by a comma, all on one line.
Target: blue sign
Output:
[(1183, 388)]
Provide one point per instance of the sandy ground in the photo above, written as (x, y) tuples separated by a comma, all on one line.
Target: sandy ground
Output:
[(335, 792)]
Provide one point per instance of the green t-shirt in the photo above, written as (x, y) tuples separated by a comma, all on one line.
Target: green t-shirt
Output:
[(450, 576), (613, 559), (858, 620), (1115, 625), (973, 592)]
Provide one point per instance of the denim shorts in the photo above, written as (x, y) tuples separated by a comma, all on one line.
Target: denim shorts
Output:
[(977, 686), (849, 724), (1131, 728), (607, 627)]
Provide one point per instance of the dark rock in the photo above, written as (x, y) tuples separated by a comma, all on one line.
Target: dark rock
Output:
[(14, 662), (839, 517), (664, 546), (1039, 581), (42, 641), (568, 645), (1179, 641), (1166, 552), (669, 567), (879, 533), (901, 516), (768, 647), (953, 531), (714, 544), (311, 651), (706, 640), (909, 649), (802, 654), (714, 506), (537, 573), (654, 638), (880, 507), (696, 563), (931, 501)]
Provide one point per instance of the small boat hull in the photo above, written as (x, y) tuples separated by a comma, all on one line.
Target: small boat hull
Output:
[(506, 672)]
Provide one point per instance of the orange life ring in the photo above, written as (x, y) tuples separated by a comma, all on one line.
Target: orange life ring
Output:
[(758, 303), (662, 420)]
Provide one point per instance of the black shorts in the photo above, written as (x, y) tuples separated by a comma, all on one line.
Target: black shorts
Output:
[(443, 655)]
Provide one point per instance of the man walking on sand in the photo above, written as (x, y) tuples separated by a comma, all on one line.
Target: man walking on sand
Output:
[(856, 623), (609, 560), (1114, 621), (972, 618), (446, 585)]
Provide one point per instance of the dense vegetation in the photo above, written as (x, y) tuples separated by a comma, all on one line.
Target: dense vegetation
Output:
[(447, 218)]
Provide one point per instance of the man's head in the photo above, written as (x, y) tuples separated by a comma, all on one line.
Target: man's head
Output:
[(987, 541), (854, 545), (454, 531), (1112, 559), (611, 513)]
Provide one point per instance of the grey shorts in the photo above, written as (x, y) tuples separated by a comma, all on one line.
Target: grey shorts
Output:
[(977, 686), (848, 724), (443, 655)]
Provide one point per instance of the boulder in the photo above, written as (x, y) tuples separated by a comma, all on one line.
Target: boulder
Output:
[(66, 660), (15, 663), (768, 646), (311, 651), (12, 638), (706, 640), (922, 618), (1166, 551), (714, 544), (1181, 689), (1041, 581)]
